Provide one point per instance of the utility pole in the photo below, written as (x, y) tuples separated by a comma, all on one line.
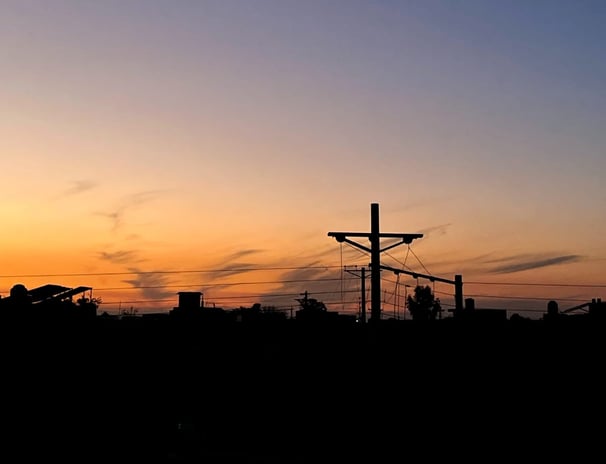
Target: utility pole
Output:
[(375, 251), (363, 290)]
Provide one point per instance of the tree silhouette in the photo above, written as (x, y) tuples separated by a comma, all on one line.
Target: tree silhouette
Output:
[(311, 304), (423, 305)]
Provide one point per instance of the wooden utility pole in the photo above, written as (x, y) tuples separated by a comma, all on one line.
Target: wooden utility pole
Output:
[(362, 277), (375, 251)]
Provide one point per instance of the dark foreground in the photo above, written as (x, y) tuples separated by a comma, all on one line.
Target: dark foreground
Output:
[(282, 392)]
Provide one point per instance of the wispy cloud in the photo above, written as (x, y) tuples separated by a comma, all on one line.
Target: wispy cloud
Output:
[(151, 285), (527, 262), (79, 186), (241, 253), (120, 256), (331, 251), (232, 269), (230, 266), (129, 203), (74, 188), (313, 270), (440, 229)]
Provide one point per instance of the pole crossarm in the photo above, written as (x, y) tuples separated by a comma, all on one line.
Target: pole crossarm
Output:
[(417, 274), (408, 237), (405, 240), (342, 237), (355, 272)]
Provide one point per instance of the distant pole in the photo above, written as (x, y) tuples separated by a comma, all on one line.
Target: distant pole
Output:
[(363, 291), (363, 277), (458, 283)]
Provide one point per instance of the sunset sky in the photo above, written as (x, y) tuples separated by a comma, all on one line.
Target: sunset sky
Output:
[(150, 147)]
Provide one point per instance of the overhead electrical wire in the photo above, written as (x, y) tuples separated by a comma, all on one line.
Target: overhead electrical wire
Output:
[(339, 281), (535, 284), (193, 271), (213, 285)]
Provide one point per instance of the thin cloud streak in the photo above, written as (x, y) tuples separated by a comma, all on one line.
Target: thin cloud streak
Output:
[(242, 253), (232, 270), (524, 264), (79, 186), (120, 256), (144, 279), (129, 203), (440, 229)]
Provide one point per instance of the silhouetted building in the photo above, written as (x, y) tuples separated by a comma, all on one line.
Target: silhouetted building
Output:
[(553, 311), (597, 308), (191, 307), (471, 313), (190, 300), (594, 309), (48, 302), (257, 313)]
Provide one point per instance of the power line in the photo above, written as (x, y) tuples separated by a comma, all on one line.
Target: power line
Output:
[(276, 295), (230, 284), (267, 296), (252, 269), (234, 297), (420, 262), (403, 263), (158, 300), (538, 284), (195, 271), (363, 253), (444, 293), (509, 297)]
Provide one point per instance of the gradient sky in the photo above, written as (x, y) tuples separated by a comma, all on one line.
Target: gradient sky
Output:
[(143, 142)]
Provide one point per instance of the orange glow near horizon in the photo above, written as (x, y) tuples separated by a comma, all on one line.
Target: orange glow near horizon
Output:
[(276, 283)]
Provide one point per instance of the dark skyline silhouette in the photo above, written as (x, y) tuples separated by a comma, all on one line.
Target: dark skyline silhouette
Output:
[(204, 384)]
